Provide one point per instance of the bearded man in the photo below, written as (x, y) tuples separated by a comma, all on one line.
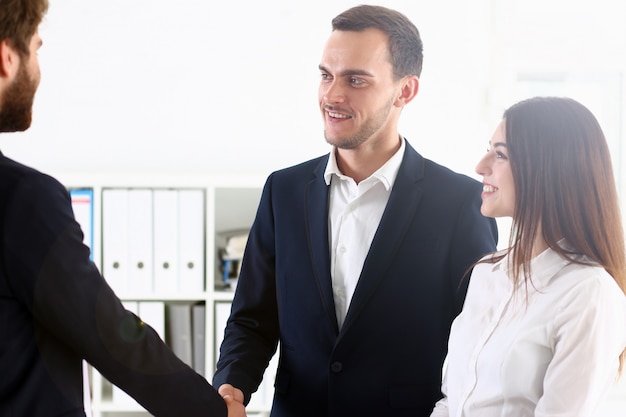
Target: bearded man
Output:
[(56, 309)]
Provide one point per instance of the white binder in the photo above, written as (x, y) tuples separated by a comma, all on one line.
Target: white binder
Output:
[(115, 258), (153, 314), (165, 241), (220, 318), (191, 240), (179, 335), (140, 240)]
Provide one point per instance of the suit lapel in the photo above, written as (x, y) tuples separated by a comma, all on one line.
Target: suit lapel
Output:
[(316, 215), (394, 224)]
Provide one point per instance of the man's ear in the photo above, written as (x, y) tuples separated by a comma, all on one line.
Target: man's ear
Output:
[(9, 59), (409, 88)]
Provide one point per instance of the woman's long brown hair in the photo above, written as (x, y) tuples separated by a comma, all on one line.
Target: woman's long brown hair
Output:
[(564, 187)]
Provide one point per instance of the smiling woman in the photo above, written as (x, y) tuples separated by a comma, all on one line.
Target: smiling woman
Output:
[(499, 188), (544, 322)]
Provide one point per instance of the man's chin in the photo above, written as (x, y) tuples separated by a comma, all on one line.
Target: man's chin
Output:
[(15, 124), (341, 143)]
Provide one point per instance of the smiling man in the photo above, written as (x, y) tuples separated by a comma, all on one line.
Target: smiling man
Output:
[(355, 263)]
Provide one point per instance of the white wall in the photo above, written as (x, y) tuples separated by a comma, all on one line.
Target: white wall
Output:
[(193, 85), (204, 86)]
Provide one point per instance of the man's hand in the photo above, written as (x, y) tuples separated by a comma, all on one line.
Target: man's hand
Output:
[(235, 393), (234, 400), (235, 408)]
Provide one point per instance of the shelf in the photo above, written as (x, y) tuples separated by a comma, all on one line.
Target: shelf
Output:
[(229, 204)]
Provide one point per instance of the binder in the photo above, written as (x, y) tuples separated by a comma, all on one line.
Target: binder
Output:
[(198, 320), (140, 241), (222, 312), (191, 240), (179, 336), (153, 314), (82, 206), (115, 253), (165, 241)]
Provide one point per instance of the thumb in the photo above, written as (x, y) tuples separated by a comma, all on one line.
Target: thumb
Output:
[(228, 391)]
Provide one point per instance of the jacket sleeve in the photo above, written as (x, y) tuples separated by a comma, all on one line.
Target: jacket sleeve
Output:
[(251, 334), (77, 315)]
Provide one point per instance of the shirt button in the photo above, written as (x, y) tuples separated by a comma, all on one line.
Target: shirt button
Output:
[(342, 249), (336, 367)]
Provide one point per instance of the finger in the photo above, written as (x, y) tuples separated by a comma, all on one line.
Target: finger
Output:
[(226, 389)]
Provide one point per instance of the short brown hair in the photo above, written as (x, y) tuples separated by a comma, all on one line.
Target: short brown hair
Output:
[(19, 20), (405, 43)]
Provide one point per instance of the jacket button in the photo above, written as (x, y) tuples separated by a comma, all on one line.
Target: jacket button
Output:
[(336, 367)]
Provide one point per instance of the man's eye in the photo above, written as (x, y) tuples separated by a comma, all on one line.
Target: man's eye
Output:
[(356, 81)]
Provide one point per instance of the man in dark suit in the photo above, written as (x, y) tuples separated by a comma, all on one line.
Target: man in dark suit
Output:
[(55, 307), (355, 263)]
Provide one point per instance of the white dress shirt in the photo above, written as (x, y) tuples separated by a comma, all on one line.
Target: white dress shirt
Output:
[(354, 214), (555, 353)]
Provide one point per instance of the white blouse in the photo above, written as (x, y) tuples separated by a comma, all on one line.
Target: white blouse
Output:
[(552, 350)]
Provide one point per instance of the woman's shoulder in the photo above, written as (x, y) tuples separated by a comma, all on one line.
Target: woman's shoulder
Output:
[(588, 285)]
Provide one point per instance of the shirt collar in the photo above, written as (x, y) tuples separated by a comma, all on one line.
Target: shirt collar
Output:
[(386, 174), (542, 267)]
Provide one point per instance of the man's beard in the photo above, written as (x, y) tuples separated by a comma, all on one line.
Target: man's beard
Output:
[(16, 104), (365, 132)]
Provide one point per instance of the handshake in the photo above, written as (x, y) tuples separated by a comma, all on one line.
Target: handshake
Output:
[(234, 400)]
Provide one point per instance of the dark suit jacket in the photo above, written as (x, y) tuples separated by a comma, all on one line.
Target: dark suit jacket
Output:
[(386, 360), (56, 309)]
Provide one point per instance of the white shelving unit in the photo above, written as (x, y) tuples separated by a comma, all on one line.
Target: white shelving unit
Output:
[(230, 203)]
